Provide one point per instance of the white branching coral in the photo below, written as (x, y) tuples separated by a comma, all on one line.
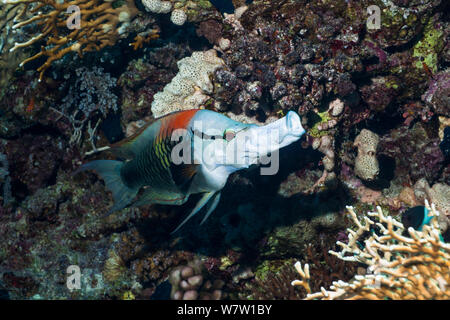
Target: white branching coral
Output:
[(190, 87), (416, 266)]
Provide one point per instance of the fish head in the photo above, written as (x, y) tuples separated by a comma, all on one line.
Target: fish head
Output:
[(227, 145)]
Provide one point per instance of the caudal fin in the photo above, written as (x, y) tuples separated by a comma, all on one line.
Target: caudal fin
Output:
[(109, 171)]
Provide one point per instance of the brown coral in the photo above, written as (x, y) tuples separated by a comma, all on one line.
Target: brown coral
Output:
[(101, 25)]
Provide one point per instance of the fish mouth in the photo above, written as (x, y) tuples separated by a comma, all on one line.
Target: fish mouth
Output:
[(277, 134), (294, 124), (259, 141), (254, 144)]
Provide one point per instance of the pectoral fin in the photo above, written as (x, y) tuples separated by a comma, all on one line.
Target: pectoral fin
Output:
[(183, 175), (206, 197)]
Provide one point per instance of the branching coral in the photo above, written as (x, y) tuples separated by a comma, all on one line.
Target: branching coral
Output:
[(399, 267), (102, 23), (8, 60)]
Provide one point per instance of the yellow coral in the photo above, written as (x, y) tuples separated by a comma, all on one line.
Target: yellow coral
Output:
[(399, 267), (101, 25)]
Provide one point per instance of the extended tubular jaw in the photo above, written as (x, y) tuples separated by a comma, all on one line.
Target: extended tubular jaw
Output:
[(259, 141)]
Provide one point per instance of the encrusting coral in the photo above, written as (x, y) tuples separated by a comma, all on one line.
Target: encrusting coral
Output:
[(366, 163), (181, 10), (399, 266), (102, 23), (189, 88)]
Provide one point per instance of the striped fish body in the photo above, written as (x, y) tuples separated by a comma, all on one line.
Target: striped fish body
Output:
[(150, 163), (184, 153), (151, 166)]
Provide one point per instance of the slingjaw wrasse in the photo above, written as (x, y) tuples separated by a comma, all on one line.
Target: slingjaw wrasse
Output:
[(188, 152)]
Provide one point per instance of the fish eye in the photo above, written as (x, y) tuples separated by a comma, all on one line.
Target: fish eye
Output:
[(229, 134)]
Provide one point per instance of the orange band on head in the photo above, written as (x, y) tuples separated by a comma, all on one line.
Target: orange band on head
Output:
[(178, 120)]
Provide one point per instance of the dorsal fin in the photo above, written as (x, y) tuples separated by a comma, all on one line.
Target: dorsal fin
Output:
[(163, 126), (129, 147)]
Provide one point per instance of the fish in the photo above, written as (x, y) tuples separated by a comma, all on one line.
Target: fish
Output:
[(188, 152), (417, 217)]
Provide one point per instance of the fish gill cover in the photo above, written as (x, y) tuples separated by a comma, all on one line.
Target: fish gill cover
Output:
[(357, 91)]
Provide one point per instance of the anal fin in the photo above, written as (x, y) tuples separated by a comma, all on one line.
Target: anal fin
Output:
[(212, 205), (200, 204)]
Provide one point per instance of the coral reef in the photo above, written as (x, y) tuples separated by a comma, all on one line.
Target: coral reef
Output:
[(34, 162), (399, 267), (103, 23), (416, 153), (374, 103), (438, 93), (157, 6), (300, 234), (439, 194), (143, 78), (273, 286)]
